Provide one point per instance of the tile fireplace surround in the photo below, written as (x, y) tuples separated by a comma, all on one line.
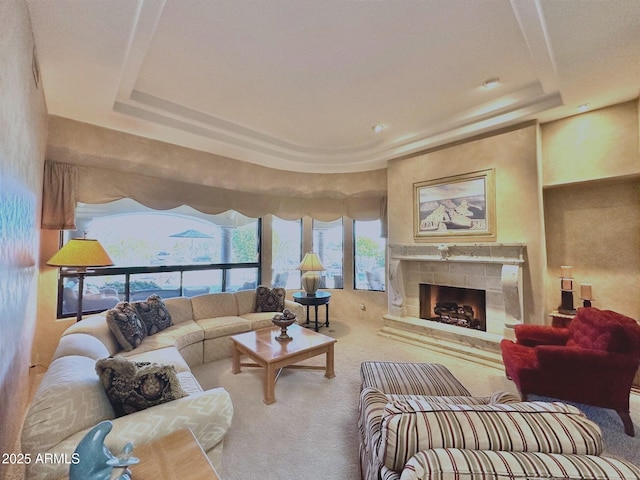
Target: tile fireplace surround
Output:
[(495, 268)]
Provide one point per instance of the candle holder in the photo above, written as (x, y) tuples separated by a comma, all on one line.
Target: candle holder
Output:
[(586, 294), (566, 292)]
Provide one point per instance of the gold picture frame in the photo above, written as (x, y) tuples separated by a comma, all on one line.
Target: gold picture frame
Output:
[(459, 207)]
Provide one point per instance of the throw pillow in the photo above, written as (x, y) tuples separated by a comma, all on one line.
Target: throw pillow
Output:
[(154, 314), (126, 326), (134, 386), (270, 299)]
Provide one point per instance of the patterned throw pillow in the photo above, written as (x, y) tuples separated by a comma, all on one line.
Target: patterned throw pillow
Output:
[(270, 299), (126, 326), (134, 386), (154, 314)]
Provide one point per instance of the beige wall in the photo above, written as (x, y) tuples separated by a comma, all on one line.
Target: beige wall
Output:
[(84, 144), (23, 131), (595, 228), (591, 165), (519, 219), (595, 145)]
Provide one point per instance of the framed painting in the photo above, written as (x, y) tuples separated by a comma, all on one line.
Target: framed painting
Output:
[(459, 207)]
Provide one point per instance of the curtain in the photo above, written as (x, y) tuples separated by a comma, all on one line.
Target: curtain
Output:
[(59, 196), (100, 185)]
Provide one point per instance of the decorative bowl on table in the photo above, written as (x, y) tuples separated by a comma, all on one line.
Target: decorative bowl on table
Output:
[(283, 320)]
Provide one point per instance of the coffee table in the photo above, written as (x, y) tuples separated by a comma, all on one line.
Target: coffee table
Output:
[(272, 355)]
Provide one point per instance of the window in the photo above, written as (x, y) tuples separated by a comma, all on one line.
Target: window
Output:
[(369, 252), (328, 244), (286, 253), (171, 253)]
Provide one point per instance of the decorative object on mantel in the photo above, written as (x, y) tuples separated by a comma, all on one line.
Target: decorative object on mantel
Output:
[(283, 320), (444, 251), (586, 295), (96, 462), (458, 206), (311, 265), (566, 290)]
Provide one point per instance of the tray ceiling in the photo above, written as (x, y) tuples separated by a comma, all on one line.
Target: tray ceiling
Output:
[(299, 84)]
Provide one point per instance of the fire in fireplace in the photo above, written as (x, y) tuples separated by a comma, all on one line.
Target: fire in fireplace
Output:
[(463, 307)]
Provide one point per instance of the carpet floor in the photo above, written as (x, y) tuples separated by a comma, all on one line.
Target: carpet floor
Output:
[(310, 433)]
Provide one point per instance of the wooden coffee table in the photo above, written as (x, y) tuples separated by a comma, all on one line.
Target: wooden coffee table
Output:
[(272, 355)]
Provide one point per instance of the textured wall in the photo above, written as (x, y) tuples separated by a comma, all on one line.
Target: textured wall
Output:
[(595, 228), (23, 127), (514, 155), (591, 166), (595, 145), (84, 144)]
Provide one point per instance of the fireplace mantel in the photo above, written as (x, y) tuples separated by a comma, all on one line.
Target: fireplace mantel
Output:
[(501, 253), (496, 268)]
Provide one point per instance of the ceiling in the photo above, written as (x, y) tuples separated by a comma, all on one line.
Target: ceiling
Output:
[(299, 84)]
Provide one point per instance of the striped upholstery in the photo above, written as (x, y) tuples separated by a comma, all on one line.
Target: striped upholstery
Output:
[(410, 378), (455, 464), (407, 411), (413, 425), (372, 407)]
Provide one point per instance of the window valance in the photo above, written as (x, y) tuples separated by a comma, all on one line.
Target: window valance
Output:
[(66, 184)]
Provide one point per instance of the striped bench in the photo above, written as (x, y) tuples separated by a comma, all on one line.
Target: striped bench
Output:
[(411, 379)]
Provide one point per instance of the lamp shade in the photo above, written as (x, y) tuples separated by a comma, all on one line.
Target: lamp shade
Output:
[(311, 263), (81, 253)]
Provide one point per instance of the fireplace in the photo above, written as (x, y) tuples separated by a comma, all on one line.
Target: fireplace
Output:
[(462, 307), (495, 269)]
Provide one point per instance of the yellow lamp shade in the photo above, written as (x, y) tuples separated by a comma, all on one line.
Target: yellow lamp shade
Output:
[(81, 253)]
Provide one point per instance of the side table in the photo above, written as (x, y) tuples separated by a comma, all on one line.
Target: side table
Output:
[(560, 320), (319, 298), (176, 456)]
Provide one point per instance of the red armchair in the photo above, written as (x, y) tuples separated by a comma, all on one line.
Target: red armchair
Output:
[(593, 361)]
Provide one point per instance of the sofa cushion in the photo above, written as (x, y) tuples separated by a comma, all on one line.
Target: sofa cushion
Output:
[(126, 326), (81, 344), (154, 314), (246, 300), (164, 356), (270, 299), (214, 305), (69, 399), (180, 309), (413, 425), (96, 326), (456, 463), (259, 320), (223, 326), (134, 386)]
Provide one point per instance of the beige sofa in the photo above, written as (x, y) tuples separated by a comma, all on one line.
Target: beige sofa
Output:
[(71, 400)]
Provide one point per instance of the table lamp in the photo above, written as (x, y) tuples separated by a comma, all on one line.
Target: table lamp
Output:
[(310, 265), (77, 255)]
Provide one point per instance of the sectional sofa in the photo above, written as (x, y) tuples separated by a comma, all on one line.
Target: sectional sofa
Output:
[(71, 398), (418, 422)]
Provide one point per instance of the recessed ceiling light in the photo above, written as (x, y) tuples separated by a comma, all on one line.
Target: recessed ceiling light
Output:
[(378, 128), (491, 82), (583, 108)]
